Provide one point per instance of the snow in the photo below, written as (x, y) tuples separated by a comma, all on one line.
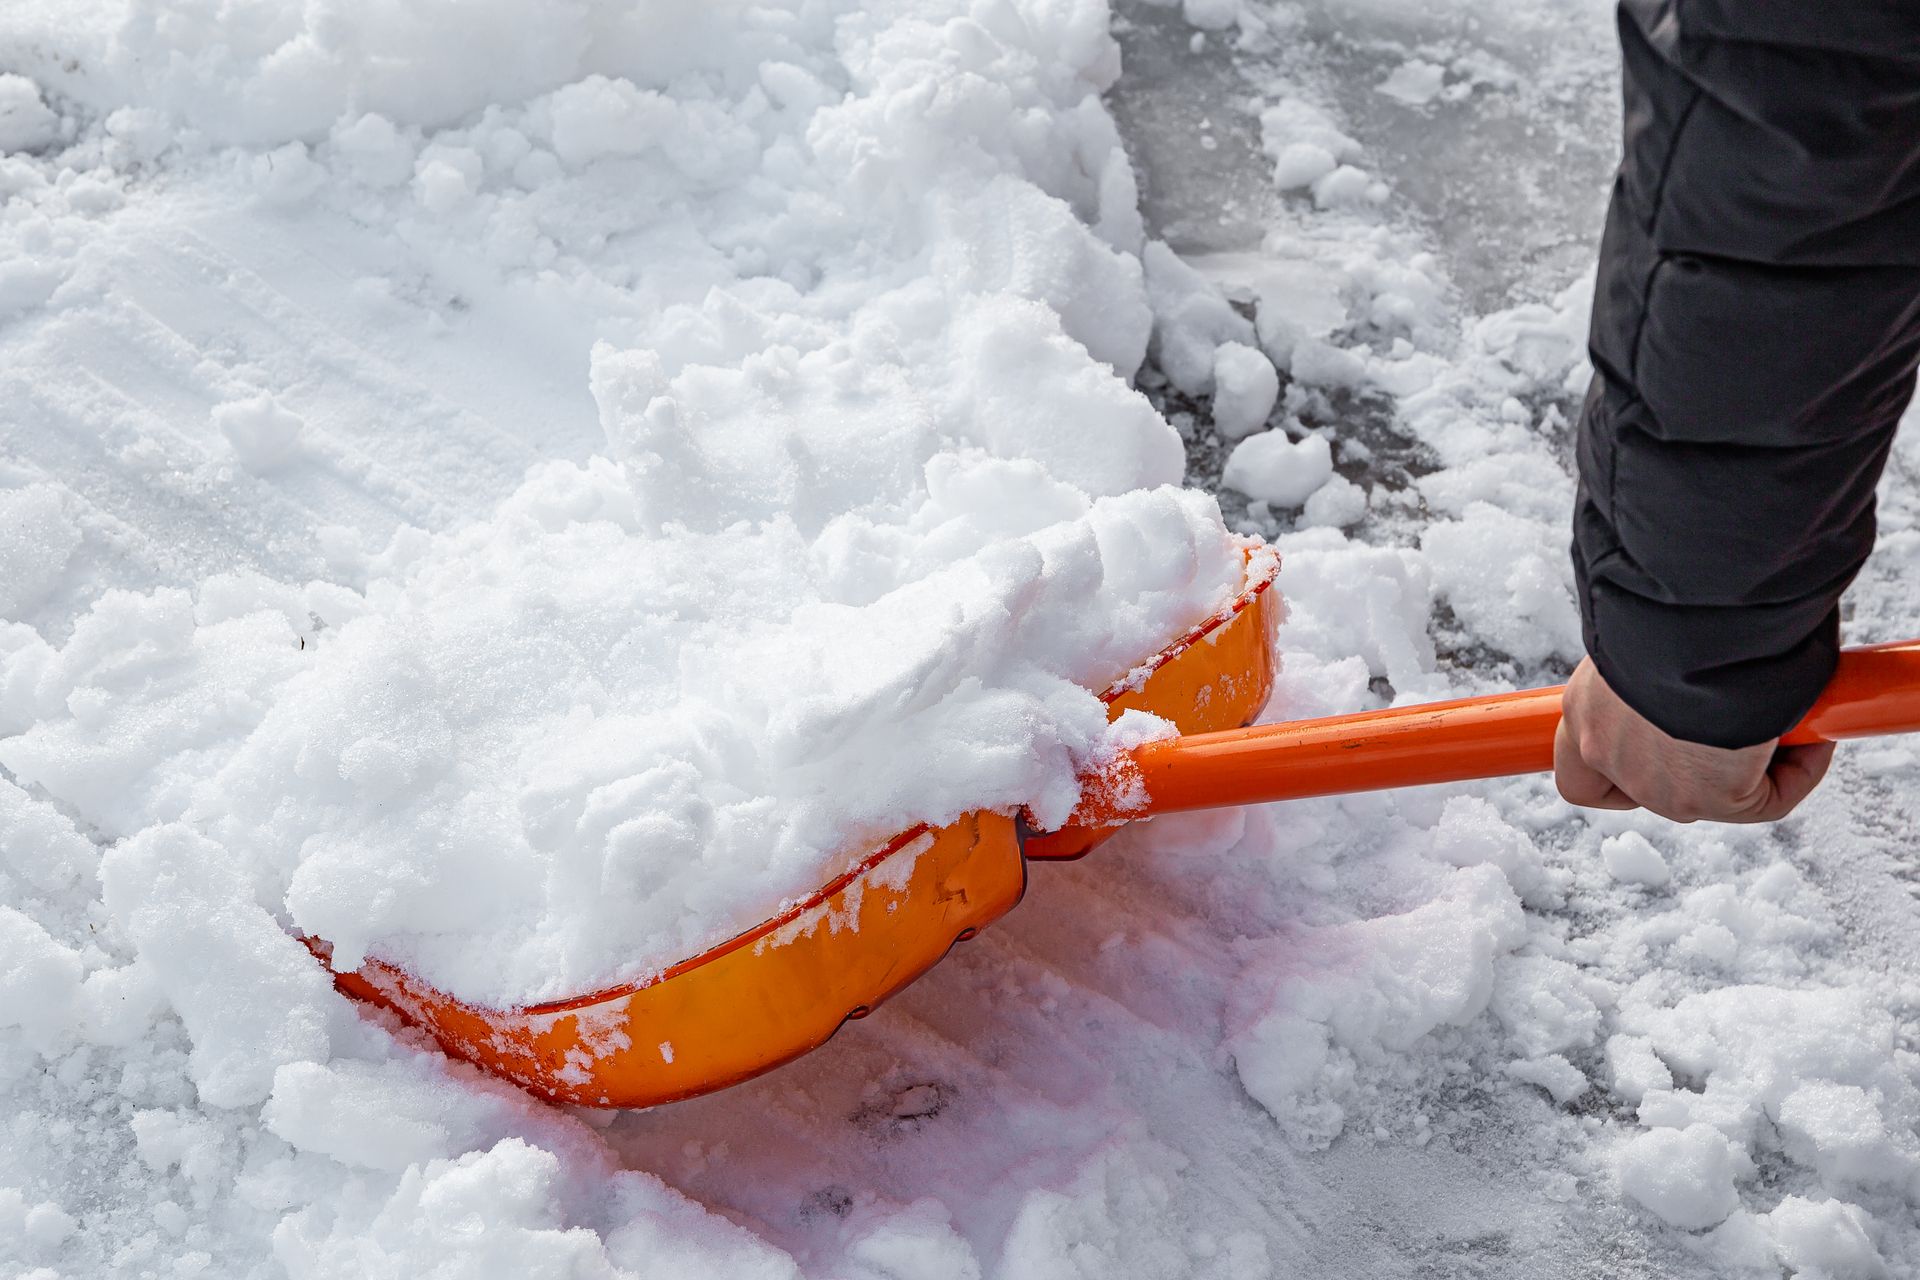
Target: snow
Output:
[(1631, 858), (37, 539), (1414, 82), (1825, 1238), (612, 723), (1301, 164), (1277, 470), (444, 497), (1245, 388), (1192, 320), (263, 433), (1336, 504), (26, 122), (1683, 1175)]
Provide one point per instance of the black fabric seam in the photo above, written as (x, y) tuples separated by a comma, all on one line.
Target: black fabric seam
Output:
[(1660, 259)]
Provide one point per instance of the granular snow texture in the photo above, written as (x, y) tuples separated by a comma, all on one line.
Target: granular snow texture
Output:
[(879, 517), (522, 504)]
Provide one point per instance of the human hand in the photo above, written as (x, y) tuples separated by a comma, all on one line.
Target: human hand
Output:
[(1608, 756)]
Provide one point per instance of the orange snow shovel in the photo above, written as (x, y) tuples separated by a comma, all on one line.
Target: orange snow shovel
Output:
[(784, 987)]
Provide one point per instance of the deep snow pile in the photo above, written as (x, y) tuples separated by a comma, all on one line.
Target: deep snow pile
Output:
[(548, 752), (883, 513), (321, 612)]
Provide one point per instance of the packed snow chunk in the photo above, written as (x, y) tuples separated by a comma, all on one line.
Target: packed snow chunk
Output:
[(603, 117), (37, 539), (1303, 142), (1296, 299), (1301, 164), (47, 1226), (1563, 1081), (916, 1243), (1280, 1058), (1631, 858), (1011, 238), (1192, 320), (1337, 504), (376, 152), (1110, 1217), (143, 133), (287, 175), (39, 981), (1414, 83), (1314, 363), (1509, 581), (1348, 187), (252, 998), (26, 122), (501, 1211), (1826, 1240), (1245, 387), (323, 1107), (152, 692), (1635, 1069), (445, 177), (1375, 985), (659, 740), (662, 1232), (1309, 1007), (291, 70), (1820, 1064), (1544, 1005), (1472, 831), (1210, 15), (1278, 471), (1839, 1130), (39, 845), (264, 435), (1367, 602), (1685, 1176)]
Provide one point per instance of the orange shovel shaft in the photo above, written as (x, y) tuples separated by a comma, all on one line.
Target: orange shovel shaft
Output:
[(1875, 690)]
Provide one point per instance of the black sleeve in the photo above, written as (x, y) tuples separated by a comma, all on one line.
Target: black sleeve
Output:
[(1755, 332)]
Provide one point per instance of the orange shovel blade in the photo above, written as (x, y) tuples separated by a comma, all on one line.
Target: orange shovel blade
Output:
[(786, 986)]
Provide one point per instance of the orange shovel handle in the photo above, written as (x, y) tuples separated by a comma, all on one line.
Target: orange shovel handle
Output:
[(1875, 690)]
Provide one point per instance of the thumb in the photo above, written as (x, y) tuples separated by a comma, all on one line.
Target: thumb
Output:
[(1579, 782), (1794, 773)]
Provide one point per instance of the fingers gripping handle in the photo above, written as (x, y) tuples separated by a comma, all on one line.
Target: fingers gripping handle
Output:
[(1875, 690)]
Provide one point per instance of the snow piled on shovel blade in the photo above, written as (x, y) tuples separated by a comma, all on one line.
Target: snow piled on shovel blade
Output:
[(879, 508)]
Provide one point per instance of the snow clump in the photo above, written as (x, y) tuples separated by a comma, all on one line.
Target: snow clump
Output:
[(1245, 387), (263, 433), (26, 122), (1277, 470), (1684, 1175)]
